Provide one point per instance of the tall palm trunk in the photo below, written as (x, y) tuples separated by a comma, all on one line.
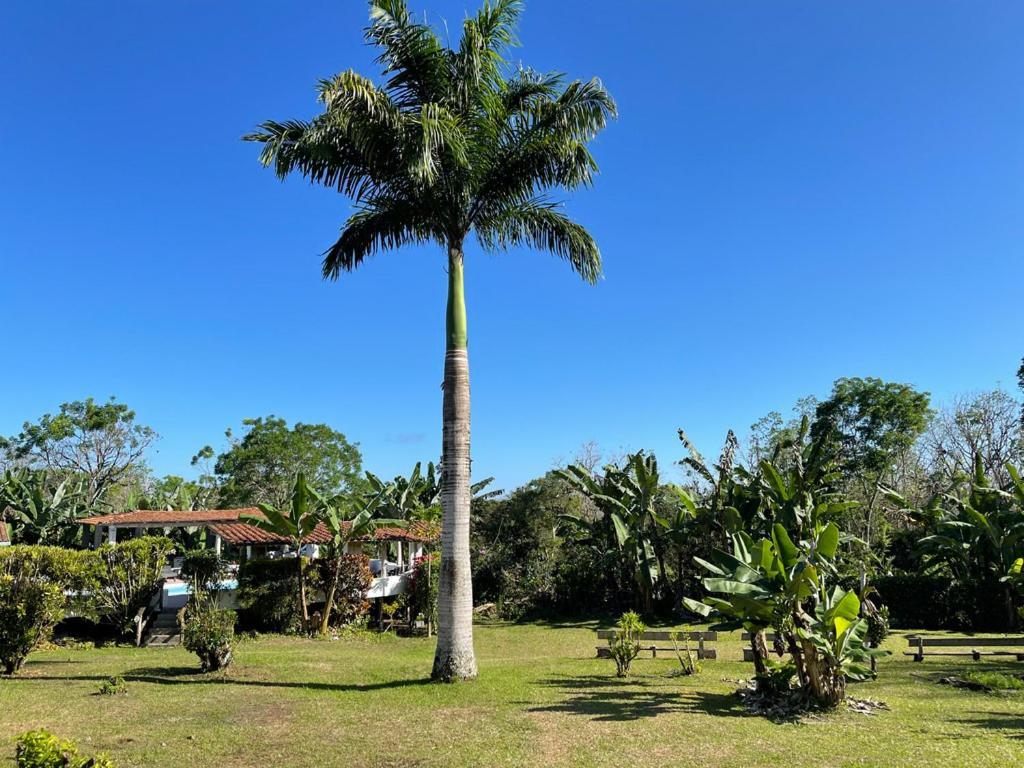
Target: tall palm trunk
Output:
[(454, 659)]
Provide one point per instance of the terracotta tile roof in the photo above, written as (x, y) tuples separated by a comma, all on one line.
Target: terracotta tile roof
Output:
[(226, 524), (243, 533), (5, 537), (238, 533), (157, 518)]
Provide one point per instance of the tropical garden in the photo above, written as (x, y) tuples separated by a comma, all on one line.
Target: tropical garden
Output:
[(809, 550)]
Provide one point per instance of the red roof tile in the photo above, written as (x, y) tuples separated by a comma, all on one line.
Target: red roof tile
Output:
[(156, 518), (243, 533)]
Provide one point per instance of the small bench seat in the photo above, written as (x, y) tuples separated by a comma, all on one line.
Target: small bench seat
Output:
[(975, 647), (656, 641)]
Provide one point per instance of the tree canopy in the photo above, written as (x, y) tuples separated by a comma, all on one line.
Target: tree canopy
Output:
[(100, 443), (261, 466)]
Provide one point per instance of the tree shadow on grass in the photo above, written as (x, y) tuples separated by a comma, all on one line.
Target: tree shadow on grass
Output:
[(192, 676), (996, 721), (611, 699)]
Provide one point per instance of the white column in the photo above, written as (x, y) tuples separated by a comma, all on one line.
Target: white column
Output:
[(248, 552), (216, 544), (112, 534), (400, 563)]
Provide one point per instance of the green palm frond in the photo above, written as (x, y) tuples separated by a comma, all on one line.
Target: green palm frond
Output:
[(448, 141)]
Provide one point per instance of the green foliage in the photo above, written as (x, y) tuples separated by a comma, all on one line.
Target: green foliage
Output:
[(629, 520), (128, 576), (267, 596), (41, 749), (113, 686), (29, 609), (975, 533), (42, 512), (452, 141), (261, 466), (345, 578), (100, 443), (421, 593), (624, 644), (208, 632), (995, 681), (517, 551), (205, 569), (870, 422)]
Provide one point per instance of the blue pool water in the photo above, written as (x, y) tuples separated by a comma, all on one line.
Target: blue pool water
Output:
[(178, 590)]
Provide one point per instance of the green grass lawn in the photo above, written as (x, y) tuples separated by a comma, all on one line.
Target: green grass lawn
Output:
[(542, 699)]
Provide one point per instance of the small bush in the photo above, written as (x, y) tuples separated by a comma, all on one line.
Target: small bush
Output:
[(29, 609), (113, 686), (624, 644), (74, 571), (209, 633), (41, 749)]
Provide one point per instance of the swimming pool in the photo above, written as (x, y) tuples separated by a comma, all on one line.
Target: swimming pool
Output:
[(183, 588)]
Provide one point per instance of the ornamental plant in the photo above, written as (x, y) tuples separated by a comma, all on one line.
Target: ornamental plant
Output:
[(624, 644), (208, 632)]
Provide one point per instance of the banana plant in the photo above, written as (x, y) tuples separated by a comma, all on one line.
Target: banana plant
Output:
[(626, 497), (41, 514), (418, 496), (977, 532), (349, 517), (776, 582)]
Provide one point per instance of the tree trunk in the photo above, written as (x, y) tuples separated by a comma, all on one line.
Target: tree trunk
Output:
[(302, 590), (331, 589), (454, 659), (759, 650)]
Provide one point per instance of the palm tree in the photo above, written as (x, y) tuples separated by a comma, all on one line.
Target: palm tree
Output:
[(452, 142), (294, 524)]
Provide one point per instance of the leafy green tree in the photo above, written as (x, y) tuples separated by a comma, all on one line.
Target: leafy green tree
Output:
[(261, 466), (100, 443), (870, 424), (294, 523), (453, 142)]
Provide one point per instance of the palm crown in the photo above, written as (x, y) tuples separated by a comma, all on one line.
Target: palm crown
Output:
[(451, 142)]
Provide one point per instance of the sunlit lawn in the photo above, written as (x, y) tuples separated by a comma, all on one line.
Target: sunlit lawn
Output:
[(542, 699)]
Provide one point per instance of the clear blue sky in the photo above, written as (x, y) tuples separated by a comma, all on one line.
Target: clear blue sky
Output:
[(795, 191)]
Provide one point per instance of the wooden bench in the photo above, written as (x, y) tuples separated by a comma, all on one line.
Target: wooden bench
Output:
[(769, 641), (655, 641), (920, 642)]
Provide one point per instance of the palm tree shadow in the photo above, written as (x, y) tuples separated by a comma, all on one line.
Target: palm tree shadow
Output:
[(615, 700), (192, 676)]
